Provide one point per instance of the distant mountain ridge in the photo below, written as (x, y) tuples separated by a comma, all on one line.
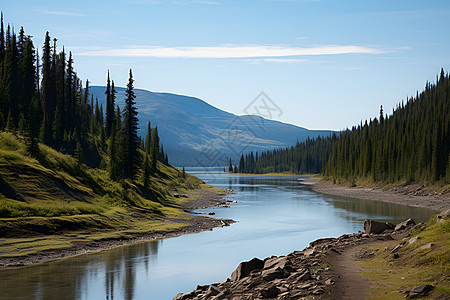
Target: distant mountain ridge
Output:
[(195, 133)]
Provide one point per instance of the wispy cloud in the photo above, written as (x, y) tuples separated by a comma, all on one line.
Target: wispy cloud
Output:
[(276, 60), (232, 51), (60, 13)]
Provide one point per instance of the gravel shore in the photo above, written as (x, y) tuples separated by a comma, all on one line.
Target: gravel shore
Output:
[(412, 194)]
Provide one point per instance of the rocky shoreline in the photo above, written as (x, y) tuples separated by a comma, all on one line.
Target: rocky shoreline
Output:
[(311, 272)]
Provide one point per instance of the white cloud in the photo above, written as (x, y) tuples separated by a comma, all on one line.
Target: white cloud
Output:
[(276, 60), (60, 13), (231, 51)]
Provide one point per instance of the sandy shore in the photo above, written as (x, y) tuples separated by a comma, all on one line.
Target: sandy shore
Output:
[(198, 223), (412, 194)]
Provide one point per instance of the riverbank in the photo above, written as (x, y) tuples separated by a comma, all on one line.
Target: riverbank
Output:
[(412, 194), (408, 260), (79, 243)]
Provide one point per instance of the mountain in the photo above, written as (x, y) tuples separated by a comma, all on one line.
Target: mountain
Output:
[(195, 133)]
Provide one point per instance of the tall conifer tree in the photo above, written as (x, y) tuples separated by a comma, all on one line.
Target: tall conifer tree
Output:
[(130, 155)]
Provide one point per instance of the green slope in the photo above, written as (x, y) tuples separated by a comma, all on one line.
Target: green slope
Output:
[(47, 202)]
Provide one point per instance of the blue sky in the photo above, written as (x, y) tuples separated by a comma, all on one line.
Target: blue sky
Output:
[(327, 64)]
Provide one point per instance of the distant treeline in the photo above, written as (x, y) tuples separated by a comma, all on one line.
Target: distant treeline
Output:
[(306, 157), (411, 144), (43, 100)]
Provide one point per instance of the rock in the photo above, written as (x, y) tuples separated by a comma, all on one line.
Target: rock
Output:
[(274, 273), (424, 247), (184, 296), (305, 286), (212, 291), (443, 215), (396, 248), (396, 255), (270, 292), (321, 241), (211, 213), (300, 276), (246, 267), (412, 240), (222, 295), (329, 281), (419, 291), (279, 262), (372, 226), (405, 224), (318, 291)]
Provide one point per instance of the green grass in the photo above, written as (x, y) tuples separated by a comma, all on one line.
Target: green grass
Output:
[(50, 201), (414, 267)]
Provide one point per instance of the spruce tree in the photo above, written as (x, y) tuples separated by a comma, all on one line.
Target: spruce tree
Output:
[(154, 149), (148, 139), (2, 40), (130, 155), (146, 173), (109, 109)]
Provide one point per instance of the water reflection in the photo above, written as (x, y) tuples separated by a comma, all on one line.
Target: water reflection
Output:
[(275, 214), (117, 268)]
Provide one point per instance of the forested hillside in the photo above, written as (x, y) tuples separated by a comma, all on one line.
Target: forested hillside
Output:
[(64, 164), (411, 144), (306, 157), (43, 100)]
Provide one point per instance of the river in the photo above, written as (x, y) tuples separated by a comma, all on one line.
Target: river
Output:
[(275, 215)]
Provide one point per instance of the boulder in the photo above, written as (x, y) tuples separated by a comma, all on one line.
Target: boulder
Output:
[(372, 226), (419, 291), (405, 224), (270, 292), (272, 274), (443, 215), (278, 262), (246, 267)]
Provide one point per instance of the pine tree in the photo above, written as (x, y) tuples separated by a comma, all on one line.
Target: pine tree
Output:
[(2, 40), (230, 167), (130, 155), (154, 149), (79, 154), (148, 139), (183, 172), (10, 127), (146, 173), (109, 108), (32, 133), (46, 87)]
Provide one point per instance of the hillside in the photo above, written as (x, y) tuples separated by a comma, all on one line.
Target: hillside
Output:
[(410, 145), (52, 202), (189, 128)]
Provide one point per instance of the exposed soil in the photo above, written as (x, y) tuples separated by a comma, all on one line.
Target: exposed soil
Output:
[(195, 224), (411, 194)]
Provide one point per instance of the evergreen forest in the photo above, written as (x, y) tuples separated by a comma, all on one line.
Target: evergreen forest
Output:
[(412, 144)]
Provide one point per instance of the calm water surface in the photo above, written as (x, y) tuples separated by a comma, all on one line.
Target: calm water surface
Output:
[(275, 215)]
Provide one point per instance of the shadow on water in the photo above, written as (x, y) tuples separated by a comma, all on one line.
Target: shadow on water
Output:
[(116, 268)]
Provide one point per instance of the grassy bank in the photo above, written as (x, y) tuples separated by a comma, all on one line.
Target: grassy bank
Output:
[(52, 202), (423, 258)]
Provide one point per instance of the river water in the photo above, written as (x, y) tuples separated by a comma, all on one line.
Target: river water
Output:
[(275, 215)]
